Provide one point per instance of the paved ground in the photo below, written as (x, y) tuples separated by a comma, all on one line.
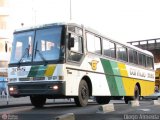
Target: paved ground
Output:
[(21, 109)]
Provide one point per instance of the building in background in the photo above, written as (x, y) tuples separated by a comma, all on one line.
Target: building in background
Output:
[(5, 44)]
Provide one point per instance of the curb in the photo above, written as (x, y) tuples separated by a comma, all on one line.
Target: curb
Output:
[(156, 102), (133, 103), (106, 108)]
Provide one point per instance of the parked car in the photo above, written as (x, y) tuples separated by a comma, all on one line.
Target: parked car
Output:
[(154, 96)]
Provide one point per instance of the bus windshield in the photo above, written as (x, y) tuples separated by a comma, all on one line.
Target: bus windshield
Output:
[(38, 45)]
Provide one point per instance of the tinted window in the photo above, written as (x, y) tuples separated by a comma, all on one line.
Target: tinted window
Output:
[(149, 64), (109, 48), (132, 56), (141, 59), (122, 53)]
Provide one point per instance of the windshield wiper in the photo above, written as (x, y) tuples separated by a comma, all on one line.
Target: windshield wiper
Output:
[(41, 55), (24, 54)]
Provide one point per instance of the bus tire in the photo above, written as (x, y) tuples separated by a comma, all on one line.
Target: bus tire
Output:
[(38, 101), (103, 99), (127, 99), (136, 93), (135, 97), (83, 94)]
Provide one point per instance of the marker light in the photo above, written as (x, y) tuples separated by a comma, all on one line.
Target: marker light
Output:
[(61, 77)]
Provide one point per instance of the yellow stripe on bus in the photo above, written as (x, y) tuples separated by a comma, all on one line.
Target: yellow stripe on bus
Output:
[(50, 70), (126, 81), (146, 87)]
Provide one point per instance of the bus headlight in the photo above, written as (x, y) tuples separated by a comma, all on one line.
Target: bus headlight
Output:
[(13, 90), (55, 87)]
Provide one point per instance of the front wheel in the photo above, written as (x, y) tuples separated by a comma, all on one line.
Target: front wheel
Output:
[(83, 94), (38, 101)]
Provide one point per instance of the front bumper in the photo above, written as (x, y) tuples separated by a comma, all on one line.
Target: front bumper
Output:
[(37, 88)]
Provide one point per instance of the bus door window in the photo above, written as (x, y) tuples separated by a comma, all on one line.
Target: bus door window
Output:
[(75, 53)]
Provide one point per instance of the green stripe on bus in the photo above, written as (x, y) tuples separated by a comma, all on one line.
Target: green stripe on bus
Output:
[(37, 71), (33, 71), (112, 72), (41, 71)]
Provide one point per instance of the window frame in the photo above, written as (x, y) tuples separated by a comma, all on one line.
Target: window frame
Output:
[(95, 36), (124, 58), (73, 32), (114, 46)]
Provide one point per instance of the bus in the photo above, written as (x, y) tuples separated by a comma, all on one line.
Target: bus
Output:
[(5, 50), (67, 60)]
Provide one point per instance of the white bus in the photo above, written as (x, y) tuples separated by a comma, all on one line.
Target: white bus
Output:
[(71, 61)]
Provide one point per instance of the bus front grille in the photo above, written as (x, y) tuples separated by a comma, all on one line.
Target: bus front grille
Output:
[(31, 78)]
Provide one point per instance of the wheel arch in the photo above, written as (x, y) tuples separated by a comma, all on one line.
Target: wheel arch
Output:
[(89, 83)]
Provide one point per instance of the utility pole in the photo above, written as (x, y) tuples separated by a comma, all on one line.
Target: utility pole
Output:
[(70, 9)]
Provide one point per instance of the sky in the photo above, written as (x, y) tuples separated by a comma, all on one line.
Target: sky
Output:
[(121, 20)]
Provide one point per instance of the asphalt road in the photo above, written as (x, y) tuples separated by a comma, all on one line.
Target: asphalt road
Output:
[(146, 111)]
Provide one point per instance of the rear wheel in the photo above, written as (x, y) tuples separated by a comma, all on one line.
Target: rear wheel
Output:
[(38, 101), (135, 97), (103, 99), (83, 95), (136, 93)]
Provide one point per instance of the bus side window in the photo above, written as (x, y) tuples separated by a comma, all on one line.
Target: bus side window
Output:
[(93, 43), (109, 48)]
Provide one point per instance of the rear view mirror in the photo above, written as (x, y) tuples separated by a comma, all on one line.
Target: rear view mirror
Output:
[(70, 42)]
